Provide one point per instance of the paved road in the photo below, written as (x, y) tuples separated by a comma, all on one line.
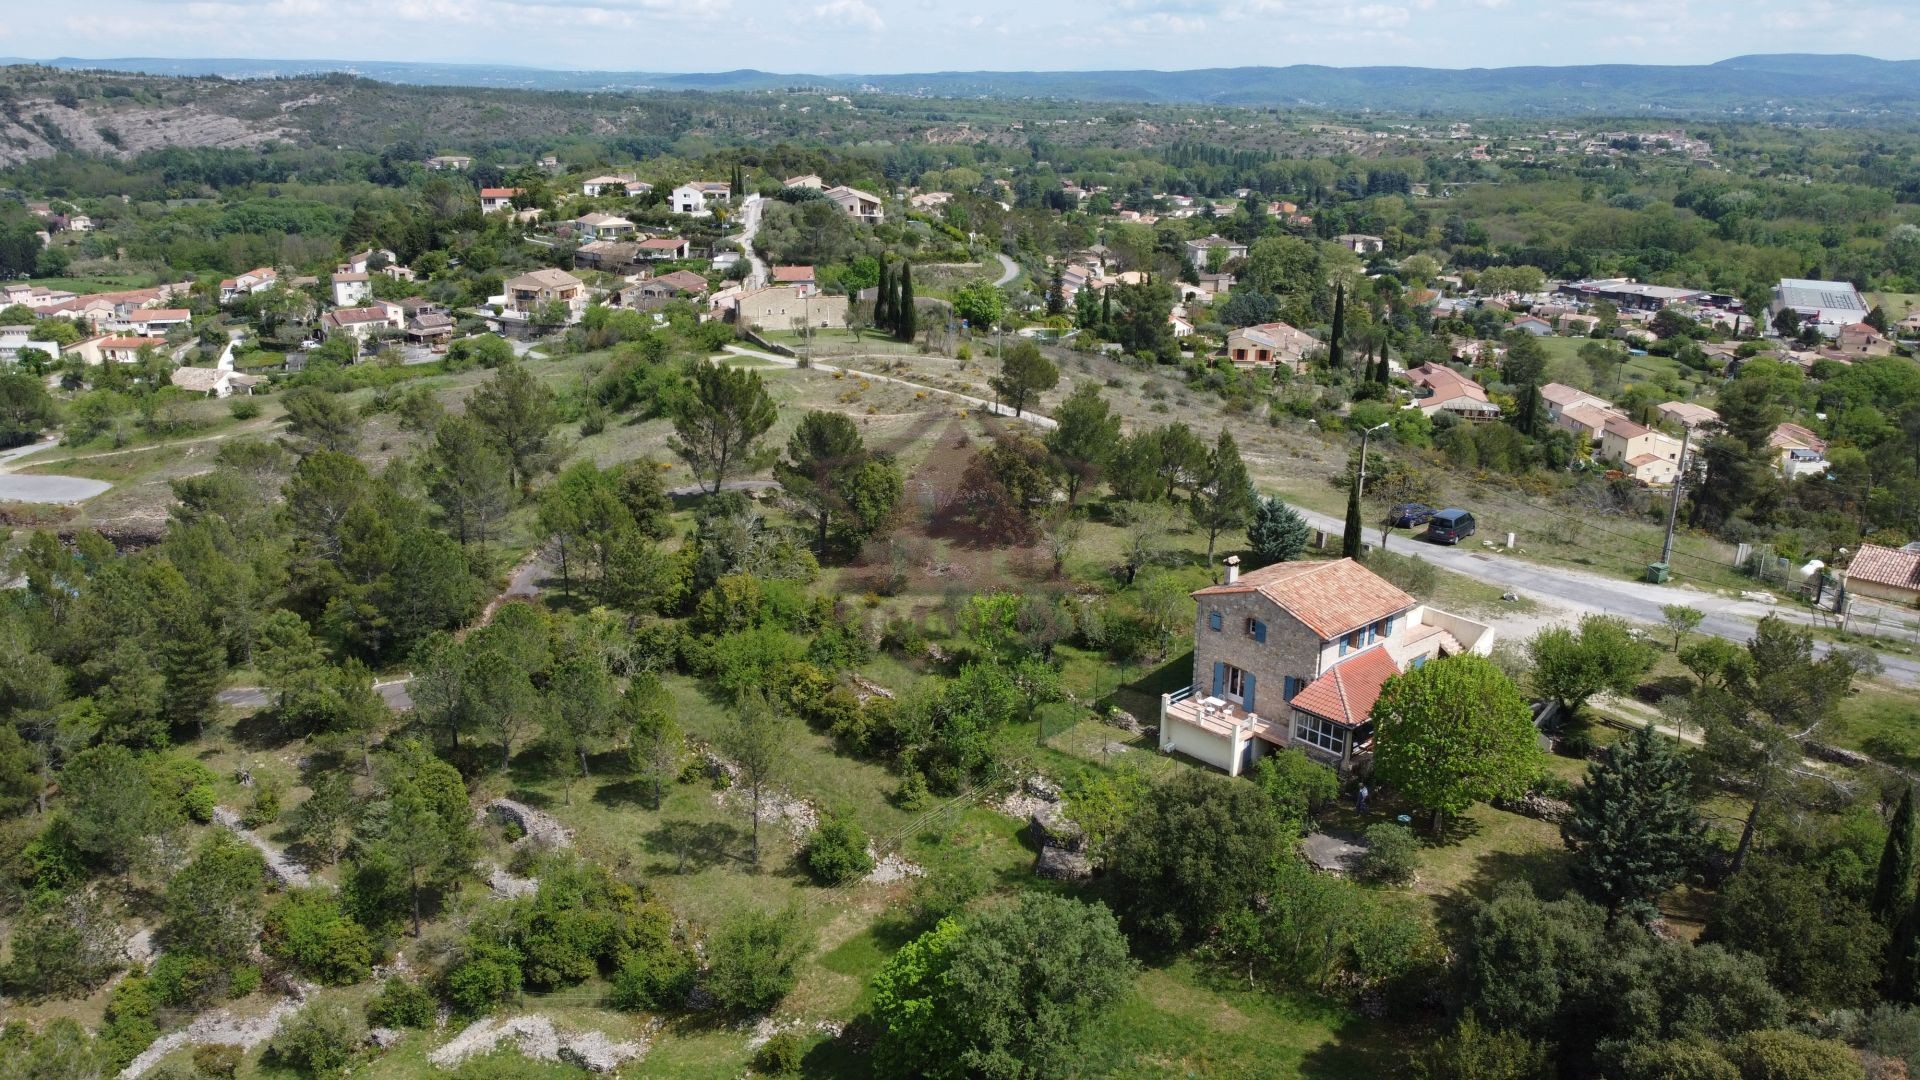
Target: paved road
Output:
[(749, 225), (16, 487), (1011, 270)]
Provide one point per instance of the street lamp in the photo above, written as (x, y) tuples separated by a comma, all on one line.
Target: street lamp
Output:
[(1364, 437)]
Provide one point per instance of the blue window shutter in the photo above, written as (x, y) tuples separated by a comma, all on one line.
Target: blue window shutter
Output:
[(1249, 691), (1213, 620), (1420, 661), (1291, 687), (1259, 631), (1343, 646), (1219, 677), (1389, 630)]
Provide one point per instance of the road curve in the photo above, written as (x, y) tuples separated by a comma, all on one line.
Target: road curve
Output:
[(1009, 270)]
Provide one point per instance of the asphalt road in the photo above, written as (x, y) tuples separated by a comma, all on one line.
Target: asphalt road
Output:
[(749, 225), (17, 487), (1011, 270)]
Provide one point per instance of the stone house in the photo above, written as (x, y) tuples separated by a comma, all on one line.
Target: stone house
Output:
[(784, 307), (1322, 638)]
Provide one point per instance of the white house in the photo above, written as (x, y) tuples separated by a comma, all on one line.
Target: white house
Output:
[(351, 288), (602, 185), (256, 280), (700, 196), (15, 338), (856, 203), (604, 227), (495, 199)]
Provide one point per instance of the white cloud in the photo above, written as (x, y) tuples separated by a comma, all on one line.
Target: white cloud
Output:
[(853, 12)]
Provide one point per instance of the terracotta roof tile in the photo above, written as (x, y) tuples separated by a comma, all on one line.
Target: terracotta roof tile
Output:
[(1330, 598), (1886, 566), (1346, 693)]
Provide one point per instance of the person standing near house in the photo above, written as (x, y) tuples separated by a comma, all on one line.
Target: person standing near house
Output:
[(1360, 798)]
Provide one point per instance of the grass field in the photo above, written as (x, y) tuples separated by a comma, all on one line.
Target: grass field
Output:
[(89, 285)]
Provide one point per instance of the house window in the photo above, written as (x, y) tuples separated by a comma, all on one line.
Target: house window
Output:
[(1213, 620), (1419, 661), (1294, 685), (1316, 731), (1257, 630), (1236, 684)]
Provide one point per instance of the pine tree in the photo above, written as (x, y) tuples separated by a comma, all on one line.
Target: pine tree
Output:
[(1225, 500), (1634, 830), (1278, 533), (1350, 540), (883, 299), (907, 318), (1335, 356), (1893, 888)]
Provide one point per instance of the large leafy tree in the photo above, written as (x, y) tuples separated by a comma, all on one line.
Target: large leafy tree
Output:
[(1454, 732), (1198, 848), (1008, 993), (835, 481), (1634, 829), (1025, 374), (518, 413), (1571, 666), (1085, 438), (717, 427), (1820, 945), (1224, 498)]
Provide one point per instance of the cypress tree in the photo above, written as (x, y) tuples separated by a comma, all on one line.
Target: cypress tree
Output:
[(1106, 312), (1893, 888), (1335, 357), (906, 317), (1350, 541), (883, 300), (1383, 374)]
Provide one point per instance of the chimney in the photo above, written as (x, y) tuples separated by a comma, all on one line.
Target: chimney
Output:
[(1233, 568)]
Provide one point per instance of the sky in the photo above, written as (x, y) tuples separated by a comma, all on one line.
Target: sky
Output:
[(890, 36)]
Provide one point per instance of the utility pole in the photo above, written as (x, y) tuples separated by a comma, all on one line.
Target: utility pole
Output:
[(1673, 506)]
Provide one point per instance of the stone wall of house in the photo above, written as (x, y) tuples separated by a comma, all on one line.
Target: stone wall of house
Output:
[(1290, 648)]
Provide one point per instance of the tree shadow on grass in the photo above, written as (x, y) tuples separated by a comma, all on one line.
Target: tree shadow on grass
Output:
[(637, 794), (692, 846), (261, 730), (1545, 870)]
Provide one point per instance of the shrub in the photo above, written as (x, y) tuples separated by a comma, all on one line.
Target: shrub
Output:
[(1391, 854), (218, 1061), (653, 980), (401, 1004), (836, 853), (265, 807), (244, 408), (182, 979), (781, 1055), (64, 949), (486, 976), (308, 930), (319, 1039), (129, 1028), (752, 962)]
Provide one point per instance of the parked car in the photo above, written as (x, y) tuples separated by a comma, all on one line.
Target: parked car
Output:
[(1448, 527), (1409, 515)]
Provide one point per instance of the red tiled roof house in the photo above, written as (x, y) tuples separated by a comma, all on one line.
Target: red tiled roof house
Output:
[(1294, 655)]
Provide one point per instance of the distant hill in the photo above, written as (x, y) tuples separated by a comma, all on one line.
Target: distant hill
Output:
[(1770, 86)]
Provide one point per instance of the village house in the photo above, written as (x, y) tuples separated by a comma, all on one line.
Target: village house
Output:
[(1885, 573), (658, 248), (790, 307), (1268, 344), (611, 256), (495, 199), (1439, 389), (604, 227), (1910, 326), (811, 181), (637, 188), (450, 163), (361, 323), (148, 322), (256, 280), (1648, 456), (930, 200), (1687, 414), (604, 185), (1322, 638), (1531, 324), (430, 328), (800, 277), (1577, 411), (1860, 339), (855, 203), (351, 288), (700, 196), (15, 338), (531, 293), (212, 382), (1360, 243), (361, 262), (1200, 253), (1797, 451), (113, 349)]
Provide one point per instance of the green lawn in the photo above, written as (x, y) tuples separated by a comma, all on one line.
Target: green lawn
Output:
[(109, 283)]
